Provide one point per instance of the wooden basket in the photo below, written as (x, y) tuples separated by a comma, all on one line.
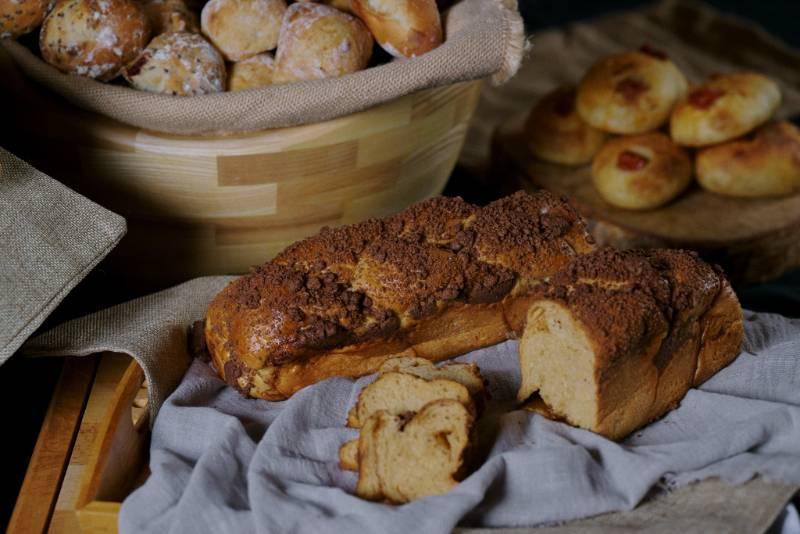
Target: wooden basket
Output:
[(219, 204)]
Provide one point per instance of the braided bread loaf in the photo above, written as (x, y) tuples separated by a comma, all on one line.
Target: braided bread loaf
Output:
[(439, 279)]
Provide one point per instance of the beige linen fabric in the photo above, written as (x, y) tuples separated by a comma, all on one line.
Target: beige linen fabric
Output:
[(50, 238), (484, 38), (701, 41)]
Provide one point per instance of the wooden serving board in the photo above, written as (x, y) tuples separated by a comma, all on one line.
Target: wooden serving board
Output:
[(754, 240)]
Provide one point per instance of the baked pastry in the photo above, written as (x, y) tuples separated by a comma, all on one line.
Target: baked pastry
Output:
[(767, 165), (18, 17), (439, 279), (94, 38), (641, 171), (404, 28), (723, 108), (341, 5), (630, 93), (170, 16), (256, 71), (557, 134), (466, 374), (618, 338), (242, 28), (182, 64), (317, 41), (404, 458)]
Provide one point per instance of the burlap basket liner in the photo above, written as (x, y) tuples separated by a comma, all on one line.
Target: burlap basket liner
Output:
[(483, 38)]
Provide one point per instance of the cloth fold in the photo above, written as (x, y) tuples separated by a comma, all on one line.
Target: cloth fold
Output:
[(220, 462), (50, 238)]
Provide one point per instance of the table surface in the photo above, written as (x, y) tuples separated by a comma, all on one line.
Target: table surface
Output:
[(30, 396)]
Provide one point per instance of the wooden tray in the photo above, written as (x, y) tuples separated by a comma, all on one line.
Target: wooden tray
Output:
[(753, 240), (93, 447)]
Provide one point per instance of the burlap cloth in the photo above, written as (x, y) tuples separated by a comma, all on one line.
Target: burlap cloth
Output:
[(699, 39), (50, 238), (484, 38)]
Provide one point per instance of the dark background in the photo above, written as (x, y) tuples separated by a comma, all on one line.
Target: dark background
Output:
[(26, 384)]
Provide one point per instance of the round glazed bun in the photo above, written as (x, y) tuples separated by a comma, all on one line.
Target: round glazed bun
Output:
[(404, 28), (641, 172), (94, 38), (557, 134), (630, 93), (178, 63), (242, 28), (18, 17), (724, 108), (170, 16), (767, 165), (256, 71), (318, 41)]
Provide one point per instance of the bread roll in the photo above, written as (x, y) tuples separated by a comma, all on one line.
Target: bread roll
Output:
[(170, 16), (723, 108), (404, 28), (406, 458), (439, 279), (767, 165), (341, 5), (243, 28), (181, 64), (18, 17), (557, 134), (618, 338), (318, 41), (94, 38), (641, 172), (630, 93), (256, 71)]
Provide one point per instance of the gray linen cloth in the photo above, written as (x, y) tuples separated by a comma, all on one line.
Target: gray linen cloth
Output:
[(223, 463), (50, 238)]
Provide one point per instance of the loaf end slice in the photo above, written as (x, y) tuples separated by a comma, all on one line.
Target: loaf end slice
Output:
[(403, 458)]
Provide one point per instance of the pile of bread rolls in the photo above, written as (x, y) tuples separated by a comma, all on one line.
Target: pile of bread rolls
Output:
[(647, 132), (181, 48)]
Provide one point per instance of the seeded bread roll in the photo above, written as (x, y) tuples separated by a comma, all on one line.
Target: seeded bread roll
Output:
[(439, 279), (94, 38), (404, 28), (182, 64), (242, 28), (767, 165), (630, 93), (725, 107), (557, 134), (317, 41), (407, 458), (18, 17), (256, 71), (618, 338), (170, 16), (641, 172)]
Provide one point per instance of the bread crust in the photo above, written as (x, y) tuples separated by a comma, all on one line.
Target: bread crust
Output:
[(22, 16), (94, 38), (641, 171), (436, 280), (256, 71), (170, 16), (556, 133), (767, 165), (723, 108), (242, 28), (404, 28), (630, 93)]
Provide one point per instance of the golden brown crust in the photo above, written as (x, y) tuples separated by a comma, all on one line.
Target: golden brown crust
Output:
[(256, 71), (725, 107), (404, 28), (557, 134), (18, 17), (317, 41), (242, 28), (767, 165), (630, 93), (322, 307), (641, 171), (94, 38)]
